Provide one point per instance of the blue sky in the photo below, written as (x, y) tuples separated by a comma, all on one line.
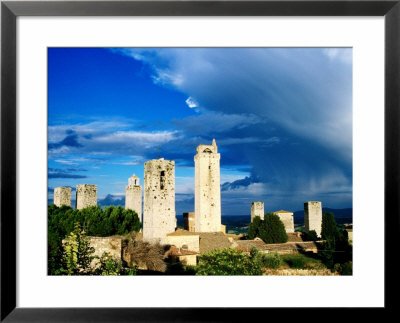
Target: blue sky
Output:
[(281, 117)]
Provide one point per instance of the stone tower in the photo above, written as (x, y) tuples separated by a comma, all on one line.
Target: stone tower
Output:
[(287, 219), (133, 196), (159, 217), (257, 209), (86, 195), (62, 196), (189, 222), (313, 217), (207, 201)]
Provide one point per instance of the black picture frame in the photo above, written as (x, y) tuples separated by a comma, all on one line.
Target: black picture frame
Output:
[(10, 10)]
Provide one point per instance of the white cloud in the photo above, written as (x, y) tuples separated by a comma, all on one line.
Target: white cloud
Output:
[(191, 103)]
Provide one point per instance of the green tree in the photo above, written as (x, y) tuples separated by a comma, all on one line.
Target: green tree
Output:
[(329, 229), (272, 230), (254, 228), (78, 254), (335, 248)]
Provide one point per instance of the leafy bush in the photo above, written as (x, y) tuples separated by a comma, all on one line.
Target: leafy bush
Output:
[(265, 260), (296, 261), (271, 261), (345, 269), (227, 262), (109, 266)]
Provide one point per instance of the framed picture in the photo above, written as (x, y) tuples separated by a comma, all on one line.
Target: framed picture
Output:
[(38, 37)]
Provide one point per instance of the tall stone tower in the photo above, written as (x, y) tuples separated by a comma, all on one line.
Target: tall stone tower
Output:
[(62, 196), (159, 217), (207, 200), (133, 196), (257, 209), (86, 195), (313, 217)]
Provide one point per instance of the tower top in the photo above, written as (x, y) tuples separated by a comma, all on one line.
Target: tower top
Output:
[(133, 180), (210, 149)]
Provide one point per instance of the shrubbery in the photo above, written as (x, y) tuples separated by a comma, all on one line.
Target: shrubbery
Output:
[(270, 230), (228, 262), (93, 220), (272, 261), (78, 258)]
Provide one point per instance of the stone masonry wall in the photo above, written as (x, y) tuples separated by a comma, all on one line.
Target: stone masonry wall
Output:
[(62, 196), (257, 209), (159, 216), (313, 217), (189, 242), (189, 221), (110, 245), (133, 199), (287, 220), (207, 189), (86, 195)]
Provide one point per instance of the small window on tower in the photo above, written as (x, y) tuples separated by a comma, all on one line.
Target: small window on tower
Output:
[(162, 179)]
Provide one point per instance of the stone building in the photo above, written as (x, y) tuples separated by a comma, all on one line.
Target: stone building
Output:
[(159, 217), (62, 196), (313, 217), (189, 221), (287, 219), (257, 209), (207, 189), (86, 195), (133, 196)]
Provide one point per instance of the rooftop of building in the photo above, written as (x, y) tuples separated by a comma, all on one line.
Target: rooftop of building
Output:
[(283, 211), (175, 251), (246, 245), (181, 232)]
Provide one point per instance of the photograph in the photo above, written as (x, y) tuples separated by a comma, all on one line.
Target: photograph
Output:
[(200, 161)]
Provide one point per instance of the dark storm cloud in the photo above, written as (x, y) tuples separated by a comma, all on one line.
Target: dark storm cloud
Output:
[(287, 113)]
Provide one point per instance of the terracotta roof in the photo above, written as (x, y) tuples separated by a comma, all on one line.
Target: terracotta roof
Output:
[(181, 232), (260, 245), (213, 240), (174, 251)]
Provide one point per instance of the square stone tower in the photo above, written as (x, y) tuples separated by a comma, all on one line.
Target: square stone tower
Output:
[(62, 196), (257, 209), (189, 222), (207, 198), (313, 217), (159, 217), (86, 195), (133, 196), (287, 220)]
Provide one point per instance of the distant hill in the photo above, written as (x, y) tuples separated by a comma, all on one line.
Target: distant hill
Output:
[(340, 214)]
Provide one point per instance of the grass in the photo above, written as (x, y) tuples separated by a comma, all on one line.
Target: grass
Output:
[(301, 261)]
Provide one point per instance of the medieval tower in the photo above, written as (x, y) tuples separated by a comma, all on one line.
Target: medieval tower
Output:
[(86, 195), (313, 217), (257, 209), (62, 196), (207, 199), (159, 217), (133, 196)]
